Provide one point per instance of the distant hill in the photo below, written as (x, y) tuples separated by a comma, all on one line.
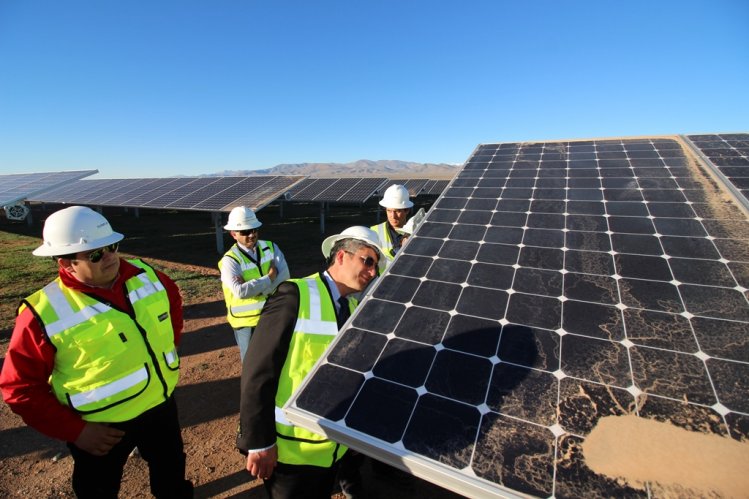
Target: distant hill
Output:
[(361, 168)]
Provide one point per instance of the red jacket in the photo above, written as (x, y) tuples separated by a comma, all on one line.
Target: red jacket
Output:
[(28, 364)]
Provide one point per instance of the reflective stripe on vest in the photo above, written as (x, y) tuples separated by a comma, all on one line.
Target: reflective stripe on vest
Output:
[(104, 391), (314, 330), (110, 366), (385, 242), (147, 290), (67, 317)]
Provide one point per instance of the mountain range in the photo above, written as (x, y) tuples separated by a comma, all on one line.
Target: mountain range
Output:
[(361, 168)]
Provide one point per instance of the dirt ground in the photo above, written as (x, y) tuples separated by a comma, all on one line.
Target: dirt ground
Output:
[(208, 393)]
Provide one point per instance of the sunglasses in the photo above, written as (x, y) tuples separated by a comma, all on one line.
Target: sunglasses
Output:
[(247, 232), (368, 261), (96, 255)]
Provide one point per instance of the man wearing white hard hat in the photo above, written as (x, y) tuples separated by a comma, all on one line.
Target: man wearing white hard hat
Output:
[(397, 206), (250, 271), (297, 325), (93, 358)]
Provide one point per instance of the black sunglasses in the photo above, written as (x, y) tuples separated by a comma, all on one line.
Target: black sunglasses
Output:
[(247, 232), (368, 261), (96, 255)]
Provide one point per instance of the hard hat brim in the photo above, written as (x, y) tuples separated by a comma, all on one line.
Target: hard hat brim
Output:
[(47, 249), (243, 226), (401, 206)]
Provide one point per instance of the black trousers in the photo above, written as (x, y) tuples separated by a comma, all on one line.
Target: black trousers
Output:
[(291, 481), (157, 435)]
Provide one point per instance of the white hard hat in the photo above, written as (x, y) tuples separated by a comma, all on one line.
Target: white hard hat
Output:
[(242, 218), (396, 197), (75, 229), (361, 233)]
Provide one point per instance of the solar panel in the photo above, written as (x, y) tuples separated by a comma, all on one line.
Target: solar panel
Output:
[(729, 154), (551, 285), (184, 193), (342, 190), (435, 187), (335, 190), (20, 186), (269, 190), (415, 186)]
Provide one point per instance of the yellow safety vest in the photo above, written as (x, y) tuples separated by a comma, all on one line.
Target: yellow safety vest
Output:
[(385, 242), (110, 366), (245, 312), (314, 331)]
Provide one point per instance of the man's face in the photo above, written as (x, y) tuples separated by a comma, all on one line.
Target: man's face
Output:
[(355, 270), (397, 217), (97, 267), (247, 238)]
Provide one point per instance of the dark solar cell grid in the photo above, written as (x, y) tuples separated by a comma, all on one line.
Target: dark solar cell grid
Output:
[(237, 188), (177, 191), (339, 188), (310, 188), (162, 187), (188, 193), (269, 189), (536, 298), (136, 187), (90, 191), (415, 186), (113, 189), (57, 194), (213, 188), (363, 190), (729, 153)]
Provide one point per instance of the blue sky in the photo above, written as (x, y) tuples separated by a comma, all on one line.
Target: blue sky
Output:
[(160, 88)]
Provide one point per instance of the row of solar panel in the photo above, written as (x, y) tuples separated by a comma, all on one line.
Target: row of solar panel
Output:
[(17, 187), (223, 193)]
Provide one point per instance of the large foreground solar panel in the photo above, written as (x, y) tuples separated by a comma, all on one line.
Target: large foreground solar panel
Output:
[(729, 153), (553, 286), (183, 193), (20, 186)]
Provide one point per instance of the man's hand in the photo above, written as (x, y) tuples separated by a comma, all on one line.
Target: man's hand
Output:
[(98, 438), (261, 464), (273, 272)]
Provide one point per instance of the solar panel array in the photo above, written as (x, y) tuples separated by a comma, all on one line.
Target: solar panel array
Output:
[(17, 187), (183, 193), (552, 284), (341, 189), (729, 153)]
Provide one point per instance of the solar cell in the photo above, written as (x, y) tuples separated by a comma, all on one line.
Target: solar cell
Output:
[(538, 297), (17, 187)]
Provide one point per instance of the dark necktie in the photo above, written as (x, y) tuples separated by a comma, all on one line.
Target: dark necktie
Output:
[(343, 313)]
